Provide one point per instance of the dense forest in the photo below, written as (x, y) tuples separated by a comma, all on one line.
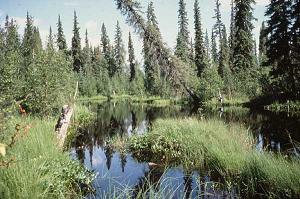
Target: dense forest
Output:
[(40, 78)]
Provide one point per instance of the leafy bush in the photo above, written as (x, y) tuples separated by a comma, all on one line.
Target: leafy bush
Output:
[(49, 83)]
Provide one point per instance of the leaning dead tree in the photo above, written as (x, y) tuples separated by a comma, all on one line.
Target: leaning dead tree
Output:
[(177, 70)]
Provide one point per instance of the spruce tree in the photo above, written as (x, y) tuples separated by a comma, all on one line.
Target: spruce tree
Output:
[(262, 44), (50, 42), (214, 53), (105, 42), (86, 52), (37, 41), (61, 40), (199, 43), (192, 51), (10, 61), (182, 46), (243, 43), (219, 24), (152, 63), (207, 45), (151, 17), (107, 51), (296, 44), (76, 46), (28, 43), (232, 34), (279, 46), (224, 53), (131, 58), (119, 50)]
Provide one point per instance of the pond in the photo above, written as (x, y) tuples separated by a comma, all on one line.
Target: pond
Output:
[(119, 173)]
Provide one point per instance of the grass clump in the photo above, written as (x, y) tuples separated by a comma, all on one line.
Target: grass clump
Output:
[(227, 151), (289, 106), (39, 168)]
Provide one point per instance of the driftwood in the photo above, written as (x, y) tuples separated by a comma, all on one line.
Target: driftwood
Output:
[(62, 125)]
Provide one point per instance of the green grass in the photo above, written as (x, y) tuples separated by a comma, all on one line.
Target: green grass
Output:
[(149, 100), (225, 150), (290, 106), (240, 101), (40, 168), (93, 98)]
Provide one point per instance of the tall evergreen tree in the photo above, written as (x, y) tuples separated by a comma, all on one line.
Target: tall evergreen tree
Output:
[(50, 42), (192, 51), (262, 44), (243, 43), (199, 43), (107, 51), (182, 46), (279, 45), (296, 43), (207, 45), (119, 50), (76, 46), (28, 43), (152, 63), (151, 17), (214, 53), (224, 53), (87, 56), (37, 41), (218, 27), (105, 41), (232, 34), (131, 58), (61, 40), (10, 61)]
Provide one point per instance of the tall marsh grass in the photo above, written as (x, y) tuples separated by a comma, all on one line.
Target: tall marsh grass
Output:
[(226, 150), (40, 169)]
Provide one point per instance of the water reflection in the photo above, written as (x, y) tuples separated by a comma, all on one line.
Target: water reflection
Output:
[(117, 171)]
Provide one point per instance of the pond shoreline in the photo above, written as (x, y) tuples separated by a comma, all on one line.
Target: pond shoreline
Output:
[(117, 123)]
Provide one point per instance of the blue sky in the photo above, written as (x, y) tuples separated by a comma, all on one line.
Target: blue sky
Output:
[(92, 13)]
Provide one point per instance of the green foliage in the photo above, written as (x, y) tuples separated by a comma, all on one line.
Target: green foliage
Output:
[(10, 62), (61, 40), (137, 87), (243, 43), (119, 51), (76, 47), (182, 45), (226, 150), (200, 59), (131, 59), (152, 64), (49, 84), (210, 84), (40, 169)]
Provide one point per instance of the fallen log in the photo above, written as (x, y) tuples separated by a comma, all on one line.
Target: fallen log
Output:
[(64, 120), (63, 123)]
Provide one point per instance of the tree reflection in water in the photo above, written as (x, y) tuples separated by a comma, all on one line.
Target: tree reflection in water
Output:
[(122, 119)]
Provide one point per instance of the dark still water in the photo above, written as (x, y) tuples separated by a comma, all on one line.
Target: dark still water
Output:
[(118, 173)]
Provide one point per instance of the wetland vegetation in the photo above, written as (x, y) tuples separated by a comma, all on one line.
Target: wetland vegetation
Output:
[(216, 115)]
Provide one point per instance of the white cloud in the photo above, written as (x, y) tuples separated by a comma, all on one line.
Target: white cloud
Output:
[(1, 13), (71, 3)]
